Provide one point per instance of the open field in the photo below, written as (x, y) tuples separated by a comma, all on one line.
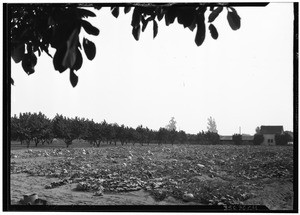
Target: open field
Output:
[(155, 175), (55, 144)]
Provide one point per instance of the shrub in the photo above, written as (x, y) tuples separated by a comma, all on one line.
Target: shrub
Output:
[(282, 139), (213, 137), (237, 139), (258, 139)]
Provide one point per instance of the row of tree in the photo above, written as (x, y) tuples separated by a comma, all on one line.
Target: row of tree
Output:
[(36, 127), (31, 127)]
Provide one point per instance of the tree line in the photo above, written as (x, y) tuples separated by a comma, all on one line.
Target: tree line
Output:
[(39, 129)]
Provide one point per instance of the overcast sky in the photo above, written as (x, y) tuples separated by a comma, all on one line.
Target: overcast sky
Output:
[(244, 78)]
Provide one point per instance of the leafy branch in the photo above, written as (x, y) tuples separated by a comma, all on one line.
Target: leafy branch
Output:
[(34, 28)]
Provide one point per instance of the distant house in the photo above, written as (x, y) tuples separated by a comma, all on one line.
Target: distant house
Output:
[(227, 139), (247, 139), (269, 133)]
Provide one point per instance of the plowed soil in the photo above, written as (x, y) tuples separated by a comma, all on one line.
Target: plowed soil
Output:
[(273, 193)]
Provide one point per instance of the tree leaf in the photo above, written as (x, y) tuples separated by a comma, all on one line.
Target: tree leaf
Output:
[(136, 18), (145, 23), (61, 32), (79, 60), (200, 34), (213, 31), (127, 9), (39, 52), (193, 25), (233, 19), (155, 28), (58, 58), (186, 16), (18, 52), (115, 11), (214, 14), (45, 49), (160, 14), (89, 48), (85, 13), (33, 59), (97, 6), (72, 44), (136, 32), (90, 29), (28, 63), (73, 78), (170, 15)]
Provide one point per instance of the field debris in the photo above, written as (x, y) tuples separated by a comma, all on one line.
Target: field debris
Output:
[(14, 156), (200, 165), (32, 199), (188, 197), (211, 175)]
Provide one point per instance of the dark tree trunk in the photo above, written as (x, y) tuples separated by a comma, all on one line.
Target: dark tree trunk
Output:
[(28, 143), (68, 142), (49, 141)]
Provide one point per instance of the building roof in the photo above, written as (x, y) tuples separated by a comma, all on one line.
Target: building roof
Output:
[(229, 137), (247, 137), (271, 129)]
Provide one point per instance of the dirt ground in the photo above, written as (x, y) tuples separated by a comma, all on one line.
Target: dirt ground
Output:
[(22, 184), (67, 195), (274, 194)]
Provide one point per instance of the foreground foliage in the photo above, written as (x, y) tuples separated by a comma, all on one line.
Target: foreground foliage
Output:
[(34, 28), (207, 174)]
